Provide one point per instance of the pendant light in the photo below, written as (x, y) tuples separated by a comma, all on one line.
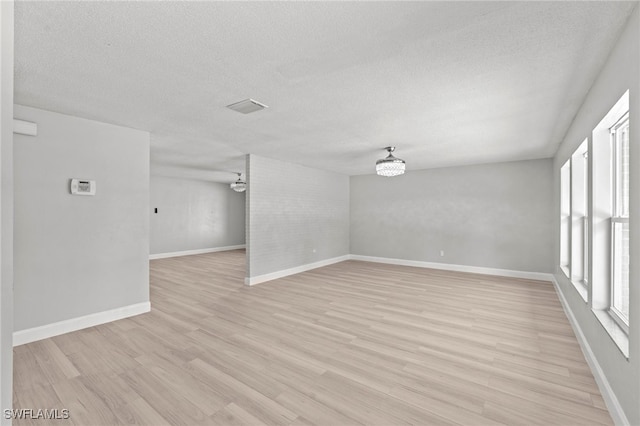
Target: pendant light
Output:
[(239, 185), (390, 166)]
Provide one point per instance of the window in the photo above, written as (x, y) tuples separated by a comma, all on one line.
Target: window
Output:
[(565, 217), (580, 219), (585, 220), (609, 223), (619, 297)]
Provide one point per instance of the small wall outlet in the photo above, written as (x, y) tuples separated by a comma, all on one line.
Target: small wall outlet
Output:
[(441, 253), (314, 250)]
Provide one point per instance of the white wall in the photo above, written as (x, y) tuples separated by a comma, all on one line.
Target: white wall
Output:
[(194, 214), (295, 216), (491, 215), (6, 207), (79, 255), (620, 73)]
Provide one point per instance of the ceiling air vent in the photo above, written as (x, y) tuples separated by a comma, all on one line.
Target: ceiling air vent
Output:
[(247, 106)]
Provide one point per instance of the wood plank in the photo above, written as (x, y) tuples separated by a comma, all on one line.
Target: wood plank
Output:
[(351, 343)]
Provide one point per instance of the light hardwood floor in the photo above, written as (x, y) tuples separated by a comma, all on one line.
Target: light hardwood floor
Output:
[(351, 343)]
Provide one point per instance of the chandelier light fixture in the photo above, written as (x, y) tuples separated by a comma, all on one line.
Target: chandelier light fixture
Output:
[(239, 185), (390, 166)]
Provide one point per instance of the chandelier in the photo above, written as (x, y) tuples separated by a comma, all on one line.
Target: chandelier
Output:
[(390, 166), (239, 185)]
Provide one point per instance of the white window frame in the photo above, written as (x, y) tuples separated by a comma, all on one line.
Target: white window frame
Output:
[(565, 218), (601, 175), (585, 221), (575, 203), (579, 215), (616, 218)]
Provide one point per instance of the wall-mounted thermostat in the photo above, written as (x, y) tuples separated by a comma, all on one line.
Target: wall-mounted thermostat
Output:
[(83, 187)]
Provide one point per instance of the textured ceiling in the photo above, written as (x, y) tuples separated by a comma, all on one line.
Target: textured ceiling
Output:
[(448, 83)]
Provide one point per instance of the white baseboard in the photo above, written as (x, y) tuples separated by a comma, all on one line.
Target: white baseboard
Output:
[(458, 268), (420, 264), (197, 251), (610, 399), (291, 271), (43, 332)]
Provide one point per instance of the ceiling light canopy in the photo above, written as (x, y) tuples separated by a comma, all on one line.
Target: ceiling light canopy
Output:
[(247, 106), (239, 185), (390, 166)]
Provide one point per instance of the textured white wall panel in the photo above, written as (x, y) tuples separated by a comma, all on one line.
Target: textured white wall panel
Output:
[(620, 73), (79, 255), (296, 215), (6, 205), (194, 214), (492, 215)]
